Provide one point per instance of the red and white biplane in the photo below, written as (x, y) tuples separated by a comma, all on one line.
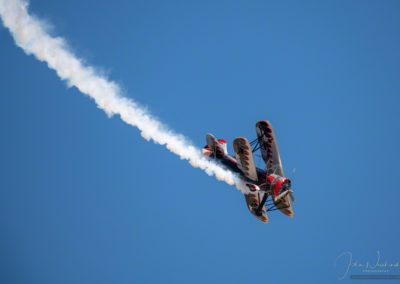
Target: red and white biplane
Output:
[(262, 184)]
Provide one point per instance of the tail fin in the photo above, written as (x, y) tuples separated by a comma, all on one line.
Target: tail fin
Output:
[(216, 147)]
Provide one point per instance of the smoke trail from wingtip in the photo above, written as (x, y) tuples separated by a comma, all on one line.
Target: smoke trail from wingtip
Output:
[(30, 34)]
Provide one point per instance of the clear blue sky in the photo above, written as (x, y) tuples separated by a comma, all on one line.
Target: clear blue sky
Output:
[(84, 199)]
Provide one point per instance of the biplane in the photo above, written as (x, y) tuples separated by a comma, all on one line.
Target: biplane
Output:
[(269, 189)]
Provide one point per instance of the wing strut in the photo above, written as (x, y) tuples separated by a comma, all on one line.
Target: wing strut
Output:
[(264, 199), (255, 145), (270, 205)]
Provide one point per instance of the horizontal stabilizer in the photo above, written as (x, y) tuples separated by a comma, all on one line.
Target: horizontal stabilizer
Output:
[(215, 146)]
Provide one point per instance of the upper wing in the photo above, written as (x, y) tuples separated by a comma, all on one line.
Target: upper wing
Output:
[(244, 157), (253, 201), (269, 148)]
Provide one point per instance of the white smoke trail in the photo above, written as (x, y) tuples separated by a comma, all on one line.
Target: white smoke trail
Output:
[(30, 34)]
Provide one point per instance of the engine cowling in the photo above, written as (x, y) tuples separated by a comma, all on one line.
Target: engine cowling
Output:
[(279, 184)]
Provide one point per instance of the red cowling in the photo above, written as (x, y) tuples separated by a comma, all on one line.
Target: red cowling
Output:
[(278, 185)]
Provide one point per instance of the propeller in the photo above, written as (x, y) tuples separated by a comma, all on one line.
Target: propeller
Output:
[(283, 194), (293, 172), (291, 196), (291, 191)]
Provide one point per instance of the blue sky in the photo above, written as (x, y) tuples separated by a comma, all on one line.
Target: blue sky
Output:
[(84, 199)]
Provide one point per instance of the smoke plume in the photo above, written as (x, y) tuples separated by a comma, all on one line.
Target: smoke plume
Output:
[(30, 34)]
